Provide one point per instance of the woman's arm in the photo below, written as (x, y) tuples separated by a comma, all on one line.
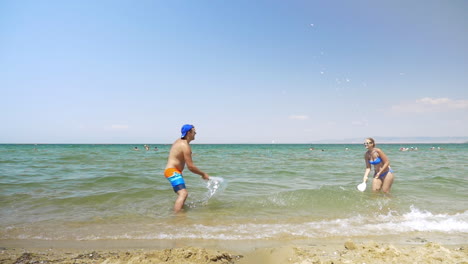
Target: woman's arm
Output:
[(386, 163), (368, 169)]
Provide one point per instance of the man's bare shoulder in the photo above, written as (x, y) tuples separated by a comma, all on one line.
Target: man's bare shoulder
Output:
[(181, 144)]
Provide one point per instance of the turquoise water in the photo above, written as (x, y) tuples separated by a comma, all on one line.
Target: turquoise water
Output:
[(266, 192)]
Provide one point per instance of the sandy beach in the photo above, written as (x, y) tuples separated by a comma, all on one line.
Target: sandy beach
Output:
[(345, 252)]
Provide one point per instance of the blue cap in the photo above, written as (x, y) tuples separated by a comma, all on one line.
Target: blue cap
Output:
[(185, 128)]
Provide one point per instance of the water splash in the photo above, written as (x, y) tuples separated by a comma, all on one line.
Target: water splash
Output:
[(213, 185)]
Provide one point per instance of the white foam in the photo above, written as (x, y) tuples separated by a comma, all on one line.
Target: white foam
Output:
[(391, 223), (388, 224), (418, 220), (415, 220)]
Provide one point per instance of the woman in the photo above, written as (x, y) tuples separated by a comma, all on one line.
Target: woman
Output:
[(383, 174)]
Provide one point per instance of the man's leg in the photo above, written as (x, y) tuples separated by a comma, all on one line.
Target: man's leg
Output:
[(181, 197)]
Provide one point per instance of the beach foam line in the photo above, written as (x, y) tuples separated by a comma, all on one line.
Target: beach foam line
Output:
[(389, 224), (415, 220)]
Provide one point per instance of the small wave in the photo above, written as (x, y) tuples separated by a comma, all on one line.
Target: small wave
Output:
[(394, 223), (415, 220), (390, 224)]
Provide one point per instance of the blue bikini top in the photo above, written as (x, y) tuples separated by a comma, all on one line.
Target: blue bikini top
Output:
[(376, 161)]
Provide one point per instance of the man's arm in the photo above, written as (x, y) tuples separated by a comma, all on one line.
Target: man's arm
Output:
[(189, 162)]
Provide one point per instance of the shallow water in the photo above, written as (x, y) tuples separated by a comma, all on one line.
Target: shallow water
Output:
[(91, 192)]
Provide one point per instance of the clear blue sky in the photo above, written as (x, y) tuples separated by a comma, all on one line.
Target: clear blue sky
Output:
[(240, 71)]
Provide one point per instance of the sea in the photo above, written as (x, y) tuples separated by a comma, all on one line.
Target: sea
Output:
[(264, 192)]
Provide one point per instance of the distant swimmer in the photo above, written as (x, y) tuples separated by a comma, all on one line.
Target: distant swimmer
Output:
[(179, 155), (383, 174), (136, 149)]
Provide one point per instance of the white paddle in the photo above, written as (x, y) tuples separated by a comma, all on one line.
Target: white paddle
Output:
[(362, 186)]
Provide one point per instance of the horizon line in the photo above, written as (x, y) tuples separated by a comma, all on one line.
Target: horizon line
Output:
[(258, 143)]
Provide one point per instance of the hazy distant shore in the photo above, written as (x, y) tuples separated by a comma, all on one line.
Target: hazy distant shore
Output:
[(423, 141)]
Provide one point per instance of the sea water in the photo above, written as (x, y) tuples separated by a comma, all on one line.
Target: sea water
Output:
[(256, 192)]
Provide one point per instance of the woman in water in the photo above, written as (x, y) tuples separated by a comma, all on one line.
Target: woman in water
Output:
[(383, 174)]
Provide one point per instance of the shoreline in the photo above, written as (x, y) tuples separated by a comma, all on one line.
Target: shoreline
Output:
[(336, 250)]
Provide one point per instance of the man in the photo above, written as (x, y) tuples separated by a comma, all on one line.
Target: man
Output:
[(179, 155)]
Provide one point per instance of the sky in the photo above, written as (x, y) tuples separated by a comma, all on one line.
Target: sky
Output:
[(240, 71)]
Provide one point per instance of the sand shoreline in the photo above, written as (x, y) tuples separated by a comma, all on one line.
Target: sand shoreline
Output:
[(320, 251)]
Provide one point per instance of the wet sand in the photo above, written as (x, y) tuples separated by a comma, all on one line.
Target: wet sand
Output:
[(179, 252)]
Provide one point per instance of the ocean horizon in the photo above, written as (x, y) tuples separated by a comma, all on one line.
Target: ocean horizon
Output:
[(458, 140)]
